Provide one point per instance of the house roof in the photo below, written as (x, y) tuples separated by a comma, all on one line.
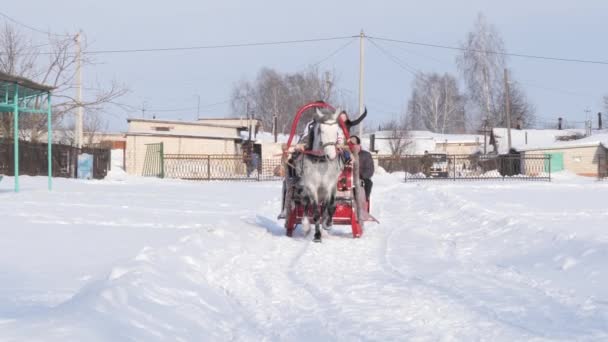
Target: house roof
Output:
[(537, 139), (184, 135), (598, 139), (420, 141), (226, 119), (24, 82), (188, 123), (265, 137), (438, 137)]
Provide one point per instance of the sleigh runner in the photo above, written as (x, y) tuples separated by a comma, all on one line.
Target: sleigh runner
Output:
[(347, 204)]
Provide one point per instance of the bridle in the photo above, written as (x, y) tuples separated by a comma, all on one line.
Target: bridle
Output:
[(320, 155)]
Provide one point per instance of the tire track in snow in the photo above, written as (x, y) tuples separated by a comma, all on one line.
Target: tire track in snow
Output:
[(447, 311), (471, 279), (364, 299)]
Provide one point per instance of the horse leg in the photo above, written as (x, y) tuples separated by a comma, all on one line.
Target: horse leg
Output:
[(305, 221), (317, 219), (330, 210)]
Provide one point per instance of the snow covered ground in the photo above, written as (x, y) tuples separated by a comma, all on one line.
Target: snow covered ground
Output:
[(146, 259)]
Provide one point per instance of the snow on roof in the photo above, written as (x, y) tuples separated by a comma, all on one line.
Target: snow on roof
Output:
[(439, 137), (596, 139), (265, 137), (185, 134), (185, 123), (419, 141), (531, 139)]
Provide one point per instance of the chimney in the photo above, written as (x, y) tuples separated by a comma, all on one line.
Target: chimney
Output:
[(559, 124), (599, 120), (372, 142)]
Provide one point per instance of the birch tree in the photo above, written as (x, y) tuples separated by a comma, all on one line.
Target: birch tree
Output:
[(482, 64), (436, 104)]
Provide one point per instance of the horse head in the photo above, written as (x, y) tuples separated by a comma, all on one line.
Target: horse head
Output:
[(327, 132)]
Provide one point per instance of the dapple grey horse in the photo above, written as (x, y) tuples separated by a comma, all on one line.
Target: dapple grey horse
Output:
[(321, 168)]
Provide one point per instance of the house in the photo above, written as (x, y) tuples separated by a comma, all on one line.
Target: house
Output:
[(573, 150), (585, 157), (207, 136), (416, 142)]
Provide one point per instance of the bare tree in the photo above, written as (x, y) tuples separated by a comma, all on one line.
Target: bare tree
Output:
[(94, 127), (276, 94), (398, 136), (522, 111), (482, 64), (437, 104), (56, 66)]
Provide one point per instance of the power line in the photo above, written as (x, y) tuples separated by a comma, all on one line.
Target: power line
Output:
[(209, 105), (208, 47), (395, 59), (335, 52), (550, 89), (220, 46), (30, 27), (572, 60)]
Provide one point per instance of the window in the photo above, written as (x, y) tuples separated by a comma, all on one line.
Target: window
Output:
[(162, 129)]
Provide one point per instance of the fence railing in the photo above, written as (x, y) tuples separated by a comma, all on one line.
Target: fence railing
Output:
[(463, 167), (220, 167), (33, 160)]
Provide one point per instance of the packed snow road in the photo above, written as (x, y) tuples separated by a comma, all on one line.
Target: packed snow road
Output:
[(144, 259)]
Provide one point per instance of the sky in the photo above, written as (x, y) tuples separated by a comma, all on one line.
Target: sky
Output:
[(168, 81)]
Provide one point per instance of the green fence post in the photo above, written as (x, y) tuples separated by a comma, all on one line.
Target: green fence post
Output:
[(454, 167), (16, 136), (49, 141), (550, 167), (162, 161)]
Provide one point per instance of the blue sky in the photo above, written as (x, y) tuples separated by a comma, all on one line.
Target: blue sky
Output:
[(169, 80)]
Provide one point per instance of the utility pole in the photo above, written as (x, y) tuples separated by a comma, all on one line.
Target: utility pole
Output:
[(361, 55), (248, 119), (79, 110), (328, 85), (143, 110), (275, 115), (485, 132), (508, 109), (198, 107)]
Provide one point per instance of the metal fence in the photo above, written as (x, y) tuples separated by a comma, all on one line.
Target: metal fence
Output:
[(221, 167), (33, 160), (464, 167)]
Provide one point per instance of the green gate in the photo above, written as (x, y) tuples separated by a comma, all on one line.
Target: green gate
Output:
[(555, 162), (154, 164)]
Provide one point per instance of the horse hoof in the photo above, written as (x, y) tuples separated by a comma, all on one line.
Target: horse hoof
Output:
[(317, 240)]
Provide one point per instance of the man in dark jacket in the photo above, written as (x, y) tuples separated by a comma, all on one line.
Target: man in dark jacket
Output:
[(366, 166)]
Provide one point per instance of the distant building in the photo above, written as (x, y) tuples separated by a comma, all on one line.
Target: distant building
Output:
[(416, 142), (205, 136), (585, 157)]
